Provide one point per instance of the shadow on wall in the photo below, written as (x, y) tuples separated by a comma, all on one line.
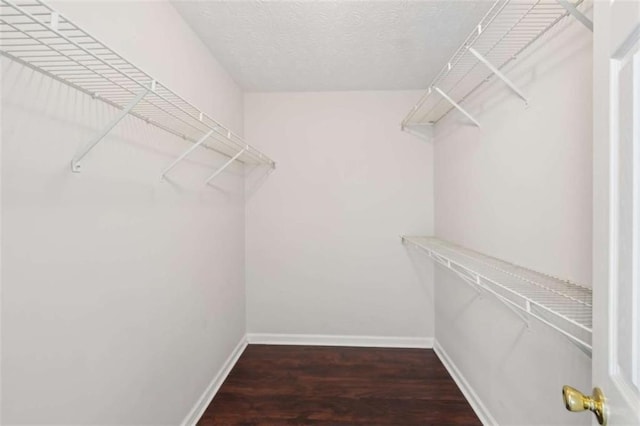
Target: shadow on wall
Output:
[(500, 355), (476, 294), (541, 60), (255, 176), (112, 260), (424, 268), (137, 150)]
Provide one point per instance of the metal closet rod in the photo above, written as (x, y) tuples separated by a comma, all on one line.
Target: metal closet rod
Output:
[(108, 82)]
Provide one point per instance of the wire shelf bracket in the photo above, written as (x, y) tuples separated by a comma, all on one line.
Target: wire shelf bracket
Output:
[(576, 14), (422, 131), (472, 278), (36, 36), (507, 29), (186, 153), (224, 166), (499, 74), (475, 281), (75, 162), (561, 305), (457, 106)]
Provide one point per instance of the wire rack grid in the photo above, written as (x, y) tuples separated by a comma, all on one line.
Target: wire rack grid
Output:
[(561, 304), (37, 36), (507, 29)]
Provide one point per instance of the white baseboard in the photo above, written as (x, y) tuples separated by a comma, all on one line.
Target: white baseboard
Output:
[(198, 409), (480, 409), (336, 340)]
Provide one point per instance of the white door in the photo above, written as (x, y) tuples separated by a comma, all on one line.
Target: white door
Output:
[(616, 232)]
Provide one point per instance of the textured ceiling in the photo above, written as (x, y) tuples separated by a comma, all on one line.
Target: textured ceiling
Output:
[(332, 45)]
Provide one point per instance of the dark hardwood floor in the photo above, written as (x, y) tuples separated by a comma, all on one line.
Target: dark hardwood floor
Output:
[(313, 385)]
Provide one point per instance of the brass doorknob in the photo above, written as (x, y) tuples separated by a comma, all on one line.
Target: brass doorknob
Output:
[(575, 400)]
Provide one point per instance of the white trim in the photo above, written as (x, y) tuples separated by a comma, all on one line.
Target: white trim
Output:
[(337, 340), (203, 402), (480, 409)]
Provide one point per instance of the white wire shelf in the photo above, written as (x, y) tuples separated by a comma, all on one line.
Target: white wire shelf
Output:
[(37, 36), (563, 305), (508, 28)]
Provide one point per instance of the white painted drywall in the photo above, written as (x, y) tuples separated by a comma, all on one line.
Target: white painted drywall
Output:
[(519, 188), (516, 371), (323, 250), (122, 295)]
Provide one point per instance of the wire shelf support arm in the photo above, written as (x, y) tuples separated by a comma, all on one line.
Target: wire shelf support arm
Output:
[(186, 153), (224, 166), (499, 74), (507, 29), (457, 106), (75, 162), (563, 306), (37, 36), (581, 17)]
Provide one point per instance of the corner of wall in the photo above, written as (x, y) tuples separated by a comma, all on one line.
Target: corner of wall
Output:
[(469, 393), (191, 419)]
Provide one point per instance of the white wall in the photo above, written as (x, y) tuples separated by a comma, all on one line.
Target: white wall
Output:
[(323, 250), (519, 188), (122, 295)]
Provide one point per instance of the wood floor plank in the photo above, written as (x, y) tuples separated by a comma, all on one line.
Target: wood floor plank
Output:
[(312, 385)]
